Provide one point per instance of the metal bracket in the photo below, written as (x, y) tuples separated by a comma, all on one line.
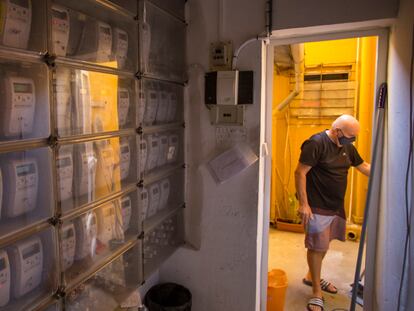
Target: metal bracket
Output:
[(139, 130), (49, 59), (141, 235), (139, 75), (140, 184), (55, 221), (52, 141)]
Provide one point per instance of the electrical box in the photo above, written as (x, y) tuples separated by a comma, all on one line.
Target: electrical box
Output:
[(221, 54), (227, 115)]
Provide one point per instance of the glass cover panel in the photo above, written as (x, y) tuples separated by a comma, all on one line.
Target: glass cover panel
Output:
[(24, 109), (160, 103), (26, 194), (27, 271), (23, 24), (162, 44), (176, 7), (129, 5), (90, 239), (87, 101), (162, 195), (162, 241), (92, 170), (161, 151), (91, 32)]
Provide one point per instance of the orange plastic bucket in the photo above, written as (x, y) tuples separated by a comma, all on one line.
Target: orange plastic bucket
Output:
[(276, 290)]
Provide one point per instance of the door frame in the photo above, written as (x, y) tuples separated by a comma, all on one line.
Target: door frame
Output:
[(379, 28)]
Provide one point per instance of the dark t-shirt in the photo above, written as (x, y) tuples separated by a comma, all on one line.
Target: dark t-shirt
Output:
[(327, 179)]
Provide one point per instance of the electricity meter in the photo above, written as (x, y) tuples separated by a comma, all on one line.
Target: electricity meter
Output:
[(60, 30), (172, 107), (151, 107), (126, 206), (16, 20), (19, 105), (21, 187), (26, 259), (106, 223), (86, 231), (144, 200), (154, 199), (173, 144), (68, 245), (164, 144), (153, 151), (86, 172), (165, 193), (123, 105), (120, 46), (5, 278), (64, 167), (125, 158), (143, 152), (63, 99), (96, 43)]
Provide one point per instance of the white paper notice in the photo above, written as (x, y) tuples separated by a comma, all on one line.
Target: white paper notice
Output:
[(231, 162)]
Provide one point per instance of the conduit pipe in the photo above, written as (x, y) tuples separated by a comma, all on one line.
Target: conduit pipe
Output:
[(298, 55)]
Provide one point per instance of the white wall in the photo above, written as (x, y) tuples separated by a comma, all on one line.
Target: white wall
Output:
[(221, 220), (300, 13)]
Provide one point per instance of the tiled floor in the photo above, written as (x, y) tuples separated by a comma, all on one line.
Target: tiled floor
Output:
[(287, 252)]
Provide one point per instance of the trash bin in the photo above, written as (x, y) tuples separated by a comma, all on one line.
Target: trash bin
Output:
[(168, 297), (276, 290)]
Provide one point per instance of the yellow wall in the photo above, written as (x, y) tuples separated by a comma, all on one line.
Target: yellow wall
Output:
[(299, 130)]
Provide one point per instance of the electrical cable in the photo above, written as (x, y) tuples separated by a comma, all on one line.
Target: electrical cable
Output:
[(407, 178)]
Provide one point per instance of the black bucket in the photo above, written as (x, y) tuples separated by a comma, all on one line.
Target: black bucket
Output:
[(168, 297)]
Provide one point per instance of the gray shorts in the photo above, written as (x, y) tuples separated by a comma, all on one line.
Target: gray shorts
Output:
[(322, 229)]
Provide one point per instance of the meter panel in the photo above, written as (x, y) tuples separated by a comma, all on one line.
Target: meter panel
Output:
[(22, 24), (90, 239), (92, 170), (26, 191), (162, 241), (28, 271), (87, 101), (162, 42), (91, 32), (160, 103), (109, 286), (24, 109)]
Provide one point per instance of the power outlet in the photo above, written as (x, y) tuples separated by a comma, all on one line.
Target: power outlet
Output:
[(221, 54)]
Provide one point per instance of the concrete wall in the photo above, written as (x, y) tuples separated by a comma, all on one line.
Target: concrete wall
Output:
[(300, 13), (221, 219)]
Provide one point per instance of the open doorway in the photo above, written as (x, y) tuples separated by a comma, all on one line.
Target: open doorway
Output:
[(313, 84)]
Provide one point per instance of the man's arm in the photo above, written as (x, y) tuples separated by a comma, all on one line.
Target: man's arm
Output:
[(300, 183), (364, 168)]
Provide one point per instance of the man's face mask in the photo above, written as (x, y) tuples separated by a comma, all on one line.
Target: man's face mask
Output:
[(345, 140)]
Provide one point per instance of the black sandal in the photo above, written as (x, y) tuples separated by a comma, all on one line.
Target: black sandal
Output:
[(324, 285)]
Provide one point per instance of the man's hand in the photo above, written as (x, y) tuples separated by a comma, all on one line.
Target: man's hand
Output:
[(305, 213)]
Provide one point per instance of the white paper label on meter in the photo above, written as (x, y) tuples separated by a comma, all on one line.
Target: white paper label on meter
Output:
[(153, 151), (164, 144), (64, 167), (173, 145), (154, 199), (63, 100), (5, 278), (123, 105), (172, 108), (125, 159), (106, 164), (83, 108), (106, 223), (68, 244), (126, 208), (60, 30), (86, 173), (144, 203), (22, 187), (16, 22), (120, 46), (151, 107), (143, 153), (19, 106), (165, 193), (163, 104), (141, 107), (86, 231), (27, 267)]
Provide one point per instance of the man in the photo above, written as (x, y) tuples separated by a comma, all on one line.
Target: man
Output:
[(321, 180)]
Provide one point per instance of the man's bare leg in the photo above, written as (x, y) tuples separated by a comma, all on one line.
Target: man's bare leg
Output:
[(309, 276)]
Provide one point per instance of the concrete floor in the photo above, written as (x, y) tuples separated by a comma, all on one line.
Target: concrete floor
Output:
[(287, 252)]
